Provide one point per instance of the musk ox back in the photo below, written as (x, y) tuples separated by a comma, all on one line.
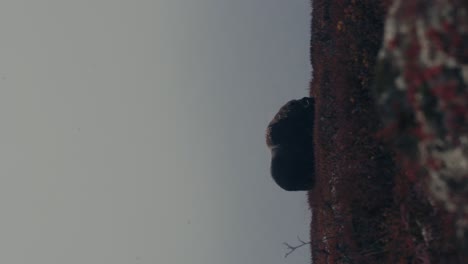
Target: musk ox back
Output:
[(290, 138)]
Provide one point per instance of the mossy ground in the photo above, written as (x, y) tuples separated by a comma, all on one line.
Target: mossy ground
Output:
[(370, 203)]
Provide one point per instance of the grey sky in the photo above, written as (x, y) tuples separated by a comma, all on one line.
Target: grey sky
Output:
[(133, 131)]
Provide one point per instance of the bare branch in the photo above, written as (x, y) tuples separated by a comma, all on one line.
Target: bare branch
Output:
[(291, 249)]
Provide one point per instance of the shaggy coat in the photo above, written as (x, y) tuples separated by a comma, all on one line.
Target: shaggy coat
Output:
[(290, 138)]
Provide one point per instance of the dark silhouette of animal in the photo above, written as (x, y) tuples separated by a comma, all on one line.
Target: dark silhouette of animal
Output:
[(290, 138)]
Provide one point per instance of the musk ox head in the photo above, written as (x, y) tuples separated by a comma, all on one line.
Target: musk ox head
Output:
[(290, 138)]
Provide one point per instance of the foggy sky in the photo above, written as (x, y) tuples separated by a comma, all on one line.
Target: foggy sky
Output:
[(133, 131)]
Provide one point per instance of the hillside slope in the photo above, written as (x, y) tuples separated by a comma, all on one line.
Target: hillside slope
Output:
[(369, 204)]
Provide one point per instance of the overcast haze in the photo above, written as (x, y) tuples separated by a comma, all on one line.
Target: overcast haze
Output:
[(133, 131)]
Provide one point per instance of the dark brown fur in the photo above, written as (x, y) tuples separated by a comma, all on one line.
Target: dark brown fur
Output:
[(290, 138)]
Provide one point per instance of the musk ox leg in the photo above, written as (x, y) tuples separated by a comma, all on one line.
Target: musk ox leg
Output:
[(290, 138)]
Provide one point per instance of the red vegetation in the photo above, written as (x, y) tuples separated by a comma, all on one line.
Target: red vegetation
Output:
[(371, 202)]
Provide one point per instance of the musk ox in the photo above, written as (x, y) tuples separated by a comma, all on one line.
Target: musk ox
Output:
[(290, 138)]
